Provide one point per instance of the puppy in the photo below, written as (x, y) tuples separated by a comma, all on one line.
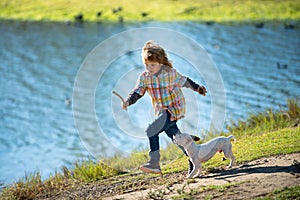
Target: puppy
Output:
[(199, 153)]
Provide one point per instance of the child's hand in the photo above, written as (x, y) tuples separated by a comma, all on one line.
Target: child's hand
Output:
[(202, 90), (124, 105)]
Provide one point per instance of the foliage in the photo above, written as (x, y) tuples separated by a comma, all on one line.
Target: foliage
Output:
[(32, 186), (268, 120)]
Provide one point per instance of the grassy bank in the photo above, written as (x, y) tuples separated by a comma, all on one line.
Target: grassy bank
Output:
[(142, 10), (263, 134)]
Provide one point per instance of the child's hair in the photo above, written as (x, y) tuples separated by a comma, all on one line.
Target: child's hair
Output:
[(154, 53)]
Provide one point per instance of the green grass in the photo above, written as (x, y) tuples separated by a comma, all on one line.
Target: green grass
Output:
[(32, 185), (164, 10), (191, 194), (267, 120), (292, 193), (261, 135), (283, 194)]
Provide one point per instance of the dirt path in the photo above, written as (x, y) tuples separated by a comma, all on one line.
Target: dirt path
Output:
[(248, 181)]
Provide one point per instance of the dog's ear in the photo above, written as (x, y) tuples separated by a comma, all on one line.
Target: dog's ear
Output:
[(195, 138)]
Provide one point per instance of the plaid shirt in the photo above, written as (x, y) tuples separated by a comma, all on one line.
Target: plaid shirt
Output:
[(164, 90)]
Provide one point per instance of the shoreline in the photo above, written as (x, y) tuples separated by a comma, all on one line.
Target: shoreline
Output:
[(286, 24), (200, 21)]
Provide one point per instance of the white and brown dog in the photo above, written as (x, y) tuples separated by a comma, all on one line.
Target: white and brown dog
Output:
[(199, 153)]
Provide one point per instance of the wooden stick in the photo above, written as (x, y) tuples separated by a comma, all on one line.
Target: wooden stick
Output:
[(118, 95)]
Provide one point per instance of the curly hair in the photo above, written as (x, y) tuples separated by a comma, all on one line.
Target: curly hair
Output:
[(154, 53)]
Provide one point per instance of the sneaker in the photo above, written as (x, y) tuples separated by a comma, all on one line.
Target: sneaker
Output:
[(150, 168)]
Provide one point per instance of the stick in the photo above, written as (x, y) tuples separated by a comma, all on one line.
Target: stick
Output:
[(118, 95)]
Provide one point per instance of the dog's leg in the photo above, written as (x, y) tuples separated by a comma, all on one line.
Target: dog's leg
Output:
[(195, 171), (232, 160), (229, 154), (198, 172), (190, 175)]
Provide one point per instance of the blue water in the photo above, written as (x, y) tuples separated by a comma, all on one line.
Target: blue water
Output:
[(260, 68)]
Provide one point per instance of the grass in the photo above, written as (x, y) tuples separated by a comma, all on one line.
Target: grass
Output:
[(32, 185), (144, 10), (194, 192), (277, 194), (262, 134), (283, 194), (267, 120)]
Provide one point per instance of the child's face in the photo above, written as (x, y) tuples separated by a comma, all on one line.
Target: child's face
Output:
[(153, 67)]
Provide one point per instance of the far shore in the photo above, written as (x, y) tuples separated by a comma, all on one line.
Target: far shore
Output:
[(217, 11)]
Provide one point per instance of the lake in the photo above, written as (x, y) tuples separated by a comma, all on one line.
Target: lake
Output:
[(40, 63)]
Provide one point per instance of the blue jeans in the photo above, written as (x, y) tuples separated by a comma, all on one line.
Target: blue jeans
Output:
[(160, 124)]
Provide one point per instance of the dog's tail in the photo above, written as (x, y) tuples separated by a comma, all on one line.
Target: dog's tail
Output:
[(232, 137)]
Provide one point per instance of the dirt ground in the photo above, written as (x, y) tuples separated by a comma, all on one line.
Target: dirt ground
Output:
[(248, 181)]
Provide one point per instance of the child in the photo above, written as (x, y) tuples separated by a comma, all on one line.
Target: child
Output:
[(163, 83)]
